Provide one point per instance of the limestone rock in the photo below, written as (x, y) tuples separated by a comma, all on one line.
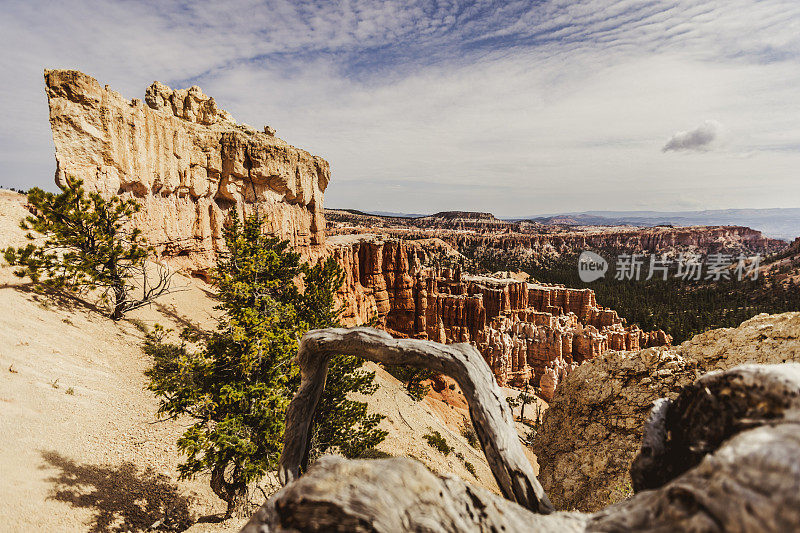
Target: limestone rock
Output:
[(188, 164), (526, 332), (591, 432)]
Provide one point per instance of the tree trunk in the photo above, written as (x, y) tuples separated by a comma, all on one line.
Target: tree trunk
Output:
[(233, 494), (490, 413), (743, 426), (120, 300)]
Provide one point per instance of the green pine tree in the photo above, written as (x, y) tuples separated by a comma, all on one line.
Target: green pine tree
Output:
[(88, 244), (341, 424), (237, 386)]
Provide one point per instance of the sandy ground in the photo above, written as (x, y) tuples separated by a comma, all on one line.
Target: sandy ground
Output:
[(81, 448)]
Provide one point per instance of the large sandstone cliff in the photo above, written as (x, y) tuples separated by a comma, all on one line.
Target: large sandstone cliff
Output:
[(187, 162), (592, 430)]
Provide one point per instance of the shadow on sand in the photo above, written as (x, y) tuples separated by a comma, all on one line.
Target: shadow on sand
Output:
[(122, 498), (62, 300)]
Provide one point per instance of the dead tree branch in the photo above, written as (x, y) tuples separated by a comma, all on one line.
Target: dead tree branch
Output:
[(723, 456), (487, 406)]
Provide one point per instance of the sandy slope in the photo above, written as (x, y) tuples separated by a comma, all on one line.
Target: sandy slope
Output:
[(80, 447)]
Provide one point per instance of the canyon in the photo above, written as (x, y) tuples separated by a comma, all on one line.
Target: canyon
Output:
[(484, 235), (190, 166), (527, 332)]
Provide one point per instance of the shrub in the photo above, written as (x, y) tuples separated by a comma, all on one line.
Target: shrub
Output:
[(468, 432), (412, 377), (470, 468), (237, 385), (436, 440), (88, 245)]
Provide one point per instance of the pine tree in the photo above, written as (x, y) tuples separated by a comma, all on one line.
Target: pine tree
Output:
[(88, 245), (238, 384), (341, 424)]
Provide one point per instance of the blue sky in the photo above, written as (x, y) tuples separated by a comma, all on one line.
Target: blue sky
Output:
[(511, 107)]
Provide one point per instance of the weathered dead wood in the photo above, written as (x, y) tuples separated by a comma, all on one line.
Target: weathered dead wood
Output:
[(395, 495), (490, 413), (723, 456), (726, 453), (717, 406), (751, 483)]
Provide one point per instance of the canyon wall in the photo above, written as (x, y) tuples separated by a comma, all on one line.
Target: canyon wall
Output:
[(527, 332), (187, 163), (469, 232)]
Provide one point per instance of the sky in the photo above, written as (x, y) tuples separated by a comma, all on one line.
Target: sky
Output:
[(516, 108)]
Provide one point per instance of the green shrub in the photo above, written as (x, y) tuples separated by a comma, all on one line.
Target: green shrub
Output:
[(412, 378), (436, 440), (237, 385), (468, 432), (88, 245), (470, 468)]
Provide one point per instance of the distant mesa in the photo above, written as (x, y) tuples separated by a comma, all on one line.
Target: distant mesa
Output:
[(467, 215), (778, 223)]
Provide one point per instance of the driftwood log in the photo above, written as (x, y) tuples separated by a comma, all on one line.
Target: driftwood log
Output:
[(723, 456), (490, 413)]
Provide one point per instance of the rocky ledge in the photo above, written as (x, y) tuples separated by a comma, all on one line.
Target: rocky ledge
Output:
[(592, 430), (188, 164)]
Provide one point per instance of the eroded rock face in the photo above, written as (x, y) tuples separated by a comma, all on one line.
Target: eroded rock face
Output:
[(592, 430), (187, 163), (527, 332), (525, 240)]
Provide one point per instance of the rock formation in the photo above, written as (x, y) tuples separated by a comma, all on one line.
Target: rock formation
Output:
[(190, 166), (187, 163), (524, 240), (592, 429), (525, 331)]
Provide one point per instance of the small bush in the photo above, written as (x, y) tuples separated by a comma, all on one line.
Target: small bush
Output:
[(471, 436), (470, 468), (436, 440), (88, 245), (374, 453), (412, 378)]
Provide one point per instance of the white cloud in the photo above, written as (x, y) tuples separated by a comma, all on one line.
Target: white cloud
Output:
[(421, 107)]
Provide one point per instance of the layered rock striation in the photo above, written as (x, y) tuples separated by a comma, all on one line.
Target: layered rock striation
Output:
[(188, 164), (525, 240), (527, 332)]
